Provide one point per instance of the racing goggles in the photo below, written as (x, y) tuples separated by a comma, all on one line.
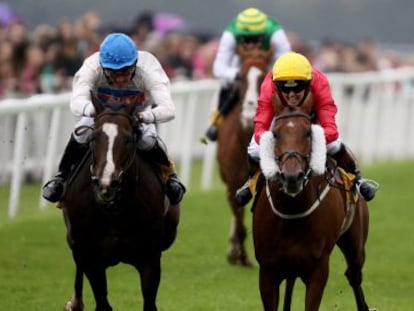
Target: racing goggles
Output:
[(251, 39), (123, 72), (295, 86)]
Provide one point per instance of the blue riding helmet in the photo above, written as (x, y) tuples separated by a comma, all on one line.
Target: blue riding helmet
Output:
[(117, 51)]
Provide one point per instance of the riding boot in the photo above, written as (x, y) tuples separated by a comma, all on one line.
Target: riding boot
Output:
[(173, 187), (245, 192), (227, 98), (345, 159), (74, 152)]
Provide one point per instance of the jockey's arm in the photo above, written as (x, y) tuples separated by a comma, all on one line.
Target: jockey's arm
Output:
[(83, 83), (157, 84), (280, 43), (325, 106), (223, 67), (264, 112)]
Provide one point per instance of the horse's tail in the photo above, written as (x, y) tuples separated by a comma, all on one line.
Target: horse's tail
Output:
[(290, 283)]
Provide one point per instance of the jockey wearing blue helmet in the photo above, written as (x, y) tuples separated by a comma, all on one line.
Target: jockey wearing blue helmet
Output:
[(121, 73)]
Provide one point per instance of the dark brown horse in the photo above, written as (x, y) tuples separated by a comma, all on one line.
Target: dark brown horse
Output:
[(299, 216), (115, 210), (233, 139)]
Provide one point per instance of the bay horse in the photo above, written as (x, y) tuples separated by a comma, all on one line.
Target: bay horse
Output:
[(300, 215), (115, 210), (234, 136)]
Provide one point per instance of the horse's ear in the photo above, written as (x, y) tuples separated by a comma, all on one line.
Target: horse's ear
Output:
[(96, 103)]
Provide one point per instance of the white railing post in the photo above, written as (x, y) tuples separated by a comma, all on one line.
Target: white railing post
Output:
[(17, 171)]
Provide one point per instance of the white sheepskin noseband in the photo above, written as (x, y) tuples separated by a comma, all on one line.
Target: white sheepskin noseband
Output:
[(317, 161)]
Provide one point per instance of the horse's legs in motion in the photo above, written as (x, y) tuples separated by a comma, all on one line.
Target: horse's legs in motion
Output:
[(290, 282), (269, 288), (352, 245), (150, 273), (76, 303), (316, 283), (96, 275), (237, 253)]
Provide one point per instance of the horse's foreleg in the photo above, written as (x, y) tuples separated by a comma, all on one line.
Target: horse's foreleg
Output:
[(150, 273), (96, 275), (290, 282), (76, 303), (237, 253), (315, 284), (269, 289)]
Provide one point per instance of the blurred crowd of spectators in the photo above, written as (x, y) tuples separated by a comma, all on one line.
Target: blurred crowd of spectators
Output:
[(44, 59)]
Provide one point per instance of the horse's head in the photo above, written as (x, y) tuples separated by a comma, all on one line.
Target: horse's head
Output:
[(292, 150), (113, 147), (254, 67)]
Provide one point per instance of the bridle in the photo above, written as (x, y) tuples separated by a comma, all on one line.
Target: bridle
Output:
[(116, 182), (306, 157), (293, 153)]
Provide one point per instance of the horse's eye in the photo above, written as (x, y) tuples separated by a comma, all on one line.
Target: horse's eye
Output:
[(308, 134)]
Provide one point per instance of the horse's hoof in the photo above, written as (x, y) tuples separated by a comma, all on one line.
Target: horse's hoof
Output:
[(70, 306), (235, 259)]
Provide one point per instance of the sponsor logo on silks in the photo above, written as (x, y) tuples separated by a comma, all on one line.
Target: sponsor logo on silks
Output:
[(108, 95)]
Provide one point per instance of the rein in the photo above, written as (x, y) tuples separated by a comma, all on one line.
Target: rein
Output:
[(298, 215)]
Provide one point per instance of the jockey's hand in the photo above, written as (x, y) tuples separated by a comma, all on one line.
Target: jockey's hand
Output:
[(146, 116), (89, 110)]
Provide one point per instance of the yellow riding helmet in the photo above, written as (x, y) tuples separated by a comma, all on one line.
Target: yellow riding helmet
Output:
[(251, 21), (292, 66)]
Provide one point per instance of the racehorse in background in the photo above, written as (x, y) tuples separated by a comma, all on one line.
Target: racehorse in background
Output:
[(300, 213), (234, 136), (115, 210)]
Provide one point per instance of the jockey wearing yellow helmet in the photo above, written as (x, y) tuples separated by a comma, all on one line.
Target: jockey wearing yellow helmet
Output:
[(119, 72), (291, 82), (252, 29)]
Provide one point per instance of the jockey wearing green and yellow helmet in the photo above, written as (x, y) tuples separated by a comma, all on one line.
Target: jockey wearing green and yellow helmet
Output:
[(250, 29)]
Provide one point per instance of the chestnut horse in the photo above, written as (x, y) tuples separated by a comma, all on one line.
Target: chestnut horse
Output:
[(299, 216), (234, 135), (115, 210)]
